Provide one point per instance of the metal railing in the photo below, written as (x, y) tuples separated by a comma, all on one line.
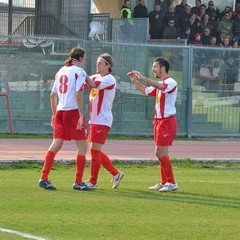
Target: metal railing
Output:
[(201, 111)]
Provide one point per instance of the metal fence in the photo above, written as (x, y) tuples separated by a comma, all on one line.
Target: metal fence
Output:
[(70, 19), (205, 107)]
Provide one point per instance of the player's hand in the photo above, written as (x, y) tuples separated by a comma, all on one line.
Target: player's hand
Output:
[(76, 63), (132, 75), (139, 75), (80, 123), (52, 121)]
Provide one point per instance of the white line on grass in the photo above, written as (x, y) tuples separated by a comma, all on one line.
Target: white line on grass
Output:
[(25, 235)]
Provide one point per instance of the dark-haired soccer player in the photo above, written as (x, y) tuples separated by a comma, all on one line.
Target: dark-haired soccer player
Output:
[(165, 123)]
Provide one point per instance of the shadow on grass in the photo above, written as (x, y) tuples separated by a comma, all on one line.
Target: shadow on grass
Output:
[(178, 196)]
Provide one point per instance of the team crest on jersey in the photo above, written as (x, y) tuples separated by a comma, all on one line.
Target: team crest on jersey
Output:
[(94, 92), (157, 100)]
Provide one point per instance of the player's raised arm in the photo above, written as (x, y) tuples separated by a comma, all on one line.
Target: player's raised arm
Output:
[(133, 77), (90, 82), (149, 81)]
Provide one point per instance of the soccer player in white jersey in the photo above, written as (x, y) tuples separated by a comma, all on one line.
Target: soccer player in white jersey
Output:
[(165, 123), (101, 100), (68, 121)]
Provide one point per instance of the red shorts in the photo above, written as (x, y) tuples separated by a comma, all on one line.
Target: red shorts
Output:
[(65, 123), (98, 133), (164, 131)]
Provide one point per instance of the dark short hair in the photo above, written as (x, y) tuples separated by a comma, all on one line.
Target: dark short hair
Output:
[(163, 63)]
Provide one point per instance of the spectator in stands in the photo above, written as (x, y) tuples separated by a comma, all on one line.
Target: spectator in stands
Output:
[(225, 24), (126, 11), (235, 44), (184, 17), (214, 55), (226, 9), (209, 75), (213, 42), (156, 22), (193, 23), (180, 9), (206, 36), (196, 8), (237, 8), (205, 23), (186, 35), (197, 40), (236, 54), (140, 11), (214, 23), (229, 74), (173, 2), (220, 37), (202, 9), (212, 9), (164, 4), (236, 27), (170, 31), (171, 14), (226, 43)]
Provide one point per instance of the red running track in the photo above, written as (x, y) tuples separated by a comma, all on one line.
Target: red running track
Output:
[(135, 150)]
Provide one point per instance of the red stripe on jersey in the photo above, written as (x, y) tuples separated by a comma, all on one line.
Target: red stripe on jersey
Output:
[(165, 85), (86, 85), (82, 87), (100, 100), (162, 103), (97, 83), (110, 87), (174, 89), (90, 109), (153, 93)]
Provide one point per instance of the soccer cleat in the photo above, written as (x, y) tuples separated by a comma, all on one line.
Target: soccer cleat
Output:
[(117, 179), (168, 187), (46, 185), (90, 185), (81, 186), (156, 187)]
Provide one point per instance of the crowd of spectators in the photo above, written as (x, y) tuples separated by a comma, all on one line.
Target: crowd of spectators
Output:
[(200, 25)]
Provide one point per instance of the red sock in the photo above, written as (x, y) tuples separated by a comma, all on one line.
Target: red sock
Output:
[(48, 162), (95, 165), (80, 166), (167, 168), (107, 164), (163, 175)]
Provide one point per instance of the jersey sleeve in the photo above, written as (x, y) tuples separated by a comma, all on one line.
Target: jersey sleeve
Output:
[(80, 80), (150, 91), (54, 87), (107, 82), (170, 85)]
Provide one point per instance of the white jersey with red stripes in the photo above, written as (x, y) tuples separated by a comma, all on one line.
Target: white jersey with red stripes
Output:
[(68, 81), (165, 99), (101, 99)]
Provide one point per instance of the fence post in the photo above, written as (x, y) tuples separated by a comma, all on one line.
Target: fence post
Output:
[(9, 112)]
